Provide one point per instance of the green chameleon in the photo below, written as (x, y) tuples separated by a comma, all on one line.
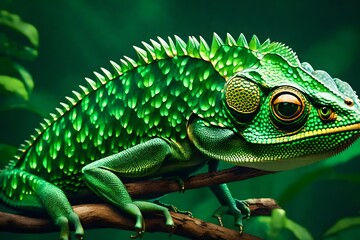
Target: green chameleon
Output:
[(177, 108)]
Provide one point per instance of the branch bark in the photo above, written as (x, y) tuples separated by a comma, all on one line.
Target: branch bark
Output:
[(105, 216), (159, 187)]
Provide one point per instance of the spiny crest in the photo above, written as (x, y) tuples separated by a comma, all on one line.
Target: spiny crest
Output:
[(282, 50), (158, 50), (335, 85)]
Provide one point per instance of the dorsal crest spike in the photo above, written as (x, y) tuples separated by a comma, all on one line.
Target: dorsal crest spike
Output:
[(215, 45), (60, 111), (116, 67), (54, 117), (155, 44), (196, 42), (37, 131), (254, 43), (230, 40), (43, 126), (204, 49), (66, 106), (281, 50), (107, 73), (193, 47), (180, 46), (265, 44), (124, 65), (85, 90), (241, 42), (150, 50), (78, 95), (101, 78), (172, 46), (157, 49), (142, 54), (131, 61), (92, 83), (166, 47), (48, 122), (71, 100)]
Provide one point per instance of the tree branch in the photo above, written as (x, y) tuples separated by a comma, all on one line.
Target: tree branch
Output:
[(105, 216), (159, 187)]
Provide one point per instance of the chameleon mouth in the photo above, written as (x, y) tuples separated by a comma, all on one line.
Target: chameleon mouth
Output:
[(353, 127), (320, 132)]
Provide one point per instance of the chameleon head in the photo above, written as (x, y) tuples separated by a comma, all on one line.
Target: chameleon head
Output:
[(288, 114)]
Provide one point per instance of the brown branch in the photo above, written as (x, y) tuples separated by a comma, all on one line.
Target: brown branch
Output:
[(159, 187), (105, 216)]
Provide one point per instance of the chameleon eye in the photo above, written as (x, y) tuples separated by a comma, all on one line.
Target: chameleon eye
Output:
[(289, 109), (242, 98), (326, 114)]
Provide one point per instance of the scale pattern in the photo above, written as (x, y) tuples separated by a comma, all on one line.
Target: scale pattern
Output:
[(153, 96)]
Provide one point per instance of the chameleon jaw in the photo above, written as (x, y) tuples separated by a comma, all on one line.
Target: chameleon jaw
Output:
[(226, 145), (313, 133), (275, 165)]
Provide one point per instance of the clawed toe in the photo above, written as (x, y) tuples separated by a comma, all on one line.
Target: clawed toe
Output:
[(240, 213), (241, 229), (139, 234)]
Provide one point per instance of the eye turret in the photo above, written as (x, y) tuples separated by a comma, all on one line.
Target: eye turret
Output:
[(289, 109)]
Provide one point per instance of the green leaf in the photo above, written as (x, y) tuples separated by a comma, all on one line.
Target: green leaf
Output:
[(10, 85), (343, 224), (6, 153), (279, 226), (17, 38), (11, 68), (299, 231)]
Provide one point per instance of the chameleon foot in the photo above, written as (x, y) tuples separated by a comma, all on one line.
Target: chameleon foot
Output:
[(243, 206), (219, 213), (171, 230), (149, 207), (240, 212), (63, 223), (181, 184), (173, 208), (152, 207), (139, 234), (241, 229), (140, 228)]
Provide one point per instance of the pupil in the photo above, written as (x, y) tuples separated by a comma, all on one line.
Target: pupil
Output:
[(324, 110), (287, 109)]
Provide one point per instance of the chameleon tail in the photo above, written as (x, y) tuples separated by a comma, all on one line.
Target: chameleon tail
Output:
[(27, 192)]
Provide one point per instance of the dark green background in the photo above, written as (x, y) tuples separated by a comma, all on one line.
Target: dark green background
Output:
[(78, 37)]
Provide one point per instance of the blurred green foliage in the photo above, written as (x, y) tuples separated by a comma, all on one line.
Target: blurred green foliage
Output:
[(18, 41), (77, 37)]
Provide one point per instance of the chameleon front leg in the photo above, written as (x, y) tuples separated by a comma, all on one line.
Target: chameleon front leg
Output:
[(219, 144), (103, 178), (43, 197), (237, 208)]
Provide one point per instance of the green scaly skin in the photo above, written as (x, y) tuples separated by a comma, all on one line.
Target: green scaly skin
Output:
[(178, 107)]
